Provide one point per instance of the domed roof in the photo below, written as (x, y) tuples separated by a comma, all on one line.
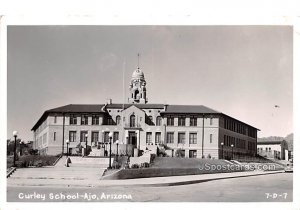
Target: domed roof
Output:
[(138, 74)]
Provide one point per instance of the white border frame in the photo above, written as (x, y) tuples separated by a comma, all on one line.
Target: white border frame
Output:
[(142, 14)]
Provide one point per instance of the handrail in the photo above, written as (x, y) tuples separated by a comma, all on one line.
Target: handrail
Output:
[(11, 171), (59, 157)]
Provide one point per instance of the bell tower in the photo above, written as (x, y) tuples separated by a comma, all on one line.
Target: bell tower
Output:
[(137, 88)]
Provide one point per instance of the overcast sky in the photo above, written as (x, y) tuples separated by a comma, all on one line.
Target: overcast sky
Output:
[(242, 71)]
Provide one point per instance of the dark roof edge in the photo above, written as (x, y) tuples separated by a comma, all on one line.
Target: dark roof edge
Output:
[(47, 112), (240, 121), (51, 111), (271, 141), (44, 115), (213, 113)]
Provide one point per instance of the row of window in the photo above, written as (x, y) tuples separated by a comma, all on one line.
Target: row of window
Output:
[(110, 121), (41, 127), (94, 136), (236, 142), (182, 121), (157, 138), (267, 149), (237, 127), (149, 120), (84, 120), (181, 138), (42, 139), (251, 146)]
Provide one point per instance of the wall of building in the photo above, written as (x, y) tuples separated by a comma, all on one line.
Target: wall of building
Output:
[(211, 136), (214, 132), (277, 151), (227, 149)]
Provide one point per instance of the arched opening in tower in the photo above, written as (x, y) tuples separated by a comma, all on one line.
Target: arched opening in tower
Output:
[(136, 95), (132, 120)]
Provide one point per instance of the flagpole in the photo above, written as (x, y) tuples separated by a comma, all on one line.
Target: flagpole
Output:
[(124, 83), (123, 107)]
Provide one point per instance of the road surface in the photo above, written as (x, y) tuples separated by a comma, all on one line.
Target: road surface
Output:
[(266, 188)]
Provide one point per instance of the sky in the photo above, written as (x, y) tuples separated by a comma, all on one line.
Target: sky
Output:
[(242, 71)]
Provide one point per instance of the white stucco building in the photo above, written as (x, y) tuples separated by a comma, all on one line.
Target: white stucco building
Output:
[(195, 130)]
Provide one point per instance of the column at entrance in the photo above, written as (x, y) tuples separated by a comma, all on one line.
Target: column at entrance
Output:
[(138, 139)]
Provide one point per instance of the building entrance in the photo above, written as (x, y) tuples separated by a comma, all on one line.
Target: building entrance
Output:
[(132, 138)]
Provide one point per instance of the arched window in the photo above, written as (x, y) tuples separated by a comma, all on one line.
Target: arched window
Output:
[(150, 120), (132, 120), (158, 121), (118, 120)]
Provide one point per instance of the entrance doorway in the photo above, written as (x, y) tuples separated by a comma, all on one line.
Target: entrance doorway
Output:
[(132, 138)]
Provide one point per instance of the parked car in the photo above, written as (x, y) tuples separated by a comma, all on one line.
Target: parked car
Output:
[(289, 167)]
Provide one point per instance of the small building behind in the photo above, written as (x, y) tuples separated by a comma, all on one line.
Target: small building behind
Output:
[(273, 149)]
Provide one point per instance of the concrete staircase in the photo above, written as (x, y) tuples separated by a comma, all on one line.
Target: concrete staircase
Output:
[(96, 152), (80, 169)]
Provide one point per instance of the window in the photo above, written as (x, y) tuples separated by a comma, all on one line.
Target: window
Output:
[(116, 136), (106, 137), (55, 119), (211, 121), (54, 136), (84, 120), (73, 120), (170, 121), (193, 121), (233, 140), (95, 120), (132, 120), (109, 120), (241, 144), (44, 138), (226, 140), (72, 136), (193, 153), (118, 120), (150, 120), (181, 138), (158, 121), (181, 121), (82, 136), (193, 138), (210, 138), (252, 146), (148, 138), (157, 138), (95, 136), (170, 137)]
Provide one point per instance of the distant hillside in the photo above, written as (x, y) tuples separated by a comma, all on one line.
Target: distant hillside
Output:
[(289, 138)]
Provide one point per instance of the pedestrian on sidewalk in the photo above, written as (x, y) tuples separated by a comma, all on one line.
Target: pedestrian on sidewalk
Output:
[(68, 161)]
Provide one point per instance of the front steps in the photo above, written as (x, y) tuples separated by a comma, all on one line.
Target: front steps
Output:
[(81, 168)]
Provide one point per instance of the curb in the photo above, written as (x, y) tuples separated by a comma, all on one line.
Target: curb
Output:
[(195, 181), (198, 180)]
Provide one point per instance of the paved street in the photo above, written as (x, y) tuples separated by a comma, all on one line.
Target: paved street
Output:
[(267, 188)]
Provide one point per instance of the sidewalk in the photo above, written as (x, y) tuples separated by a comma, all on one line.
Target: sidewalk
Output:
[(142, 182)]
